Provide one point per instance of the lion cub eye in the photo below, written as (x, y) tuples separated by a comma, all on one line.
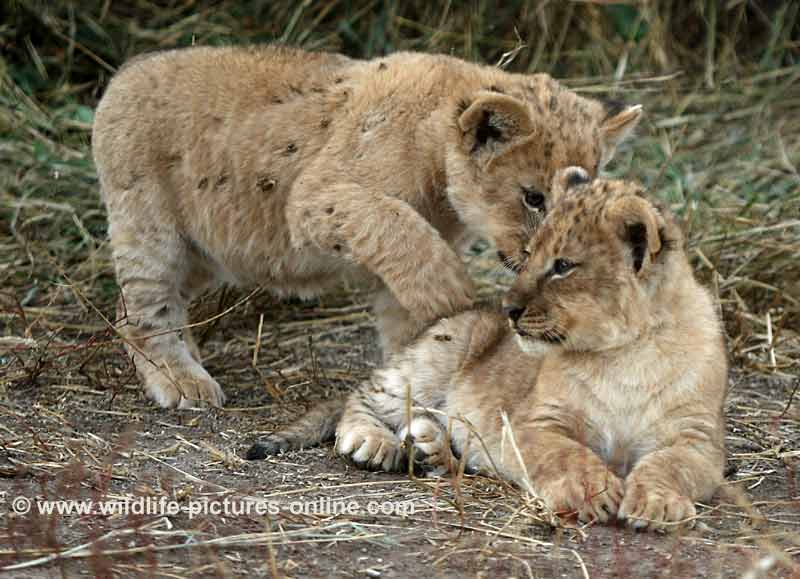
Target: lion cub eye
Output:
[(533, 199), (562, 267)]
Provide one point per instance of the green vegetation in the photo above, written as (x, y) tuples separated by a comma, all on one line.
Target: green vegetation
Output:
[(718, 80)]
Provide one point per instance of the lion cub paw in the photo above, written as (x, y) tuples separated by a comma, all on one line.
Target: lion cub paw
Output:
[(183, 389), (648, 506), (370, 446), (594, 493), (430, 445)]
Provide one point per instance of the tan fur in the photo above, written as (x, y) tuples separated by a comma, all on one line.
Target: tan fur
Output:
[(289, 169), (613, 375)]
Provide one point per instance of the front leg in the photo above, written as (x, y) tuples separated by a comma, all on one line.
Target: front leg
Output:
[(430, 444), (386, 236), (567, 475), (662, 488), (395, 324)]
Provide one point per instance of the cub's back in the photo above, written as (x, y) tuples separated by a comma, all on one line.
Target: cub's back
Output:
[(167, 100)]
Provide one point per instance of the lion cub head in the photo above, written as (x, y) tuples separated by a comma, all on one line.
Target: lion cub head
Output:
[(510, 144), (600, 269)]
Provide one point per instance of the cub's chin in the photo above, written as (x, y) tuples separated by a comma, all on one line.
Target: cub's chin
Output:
[(534, 346)]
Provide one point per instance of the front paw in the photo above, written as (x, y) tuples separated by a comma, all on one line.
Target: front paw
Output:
[(649, 505), (184, 389), (370, 447), (593, 493), (431, 448)]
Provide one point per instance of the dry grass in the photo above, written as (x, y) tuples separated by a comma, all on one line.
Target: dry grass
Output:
[(719, 82)]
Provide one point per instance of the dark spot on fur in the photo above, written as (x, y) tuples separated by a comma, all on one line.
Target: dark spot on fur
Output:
[(443, 338), (382, 66), (553, 105), (337, 247), (324, 123), (265, 183), (495, 88), (329, 210), (548, 150), (216, 119), (221, 180), (135, 178), (162, 312), (291, 148), (172, 159), (338, 80), (203, 183), (317, 89), (277, 101)]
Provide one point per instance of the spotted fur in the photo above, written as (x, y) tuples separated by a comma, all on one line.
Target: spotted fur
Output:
[(612, 374), (288, 169)]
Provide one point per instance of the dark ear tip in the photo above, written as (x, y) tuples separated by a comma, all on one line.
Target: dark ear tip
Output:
[(577, 176), (613, 107)]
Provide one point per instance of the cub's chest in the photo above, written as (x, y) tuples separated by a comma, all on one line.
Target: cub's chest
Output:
[(622, 423)]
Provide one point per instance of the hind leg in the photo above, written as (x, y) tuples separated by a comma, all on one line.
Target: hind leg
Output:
[(152, 263), (199, 279), (365, 438)]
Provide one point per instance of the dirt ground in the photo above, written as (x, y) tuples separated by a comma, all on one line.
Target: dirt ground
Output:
[(75, 426)]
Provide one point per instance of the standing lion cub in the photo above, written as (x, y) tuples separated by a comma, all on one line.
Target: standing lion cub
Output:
[(288, 169), (608, 362)]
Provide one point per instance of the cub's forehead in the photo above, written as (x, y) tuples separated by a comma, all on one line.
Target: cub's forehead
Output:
[(566, 124), (578, 219)]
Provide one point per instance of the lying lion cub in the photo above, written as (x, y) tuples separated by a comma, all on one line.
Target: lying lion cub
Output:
[(276, 167), (608, 362)]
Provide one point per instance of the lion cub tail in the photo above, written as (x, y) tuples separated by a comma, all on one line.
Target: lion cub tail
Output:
[(316, 427)]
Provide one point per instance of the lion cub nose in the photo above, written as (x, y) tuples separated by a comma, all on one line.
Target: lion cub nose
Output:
[(514, 312)]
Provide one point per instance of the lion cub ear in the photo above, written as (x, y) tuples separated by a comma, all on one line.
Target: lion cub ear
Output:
[(493, 119), (617, 127), (636, 222)]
